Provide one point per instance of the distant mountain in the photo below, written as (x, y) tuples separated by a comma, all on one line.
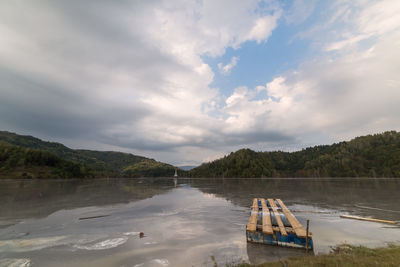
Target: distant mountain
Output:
[(367, 156), (95, 163), (187, 168)]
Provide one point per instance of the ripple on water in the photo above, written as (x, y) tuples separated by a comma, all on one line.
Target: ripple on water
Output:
[(155, 262), (150, 243), (162, 262), (132, 233), (21, 245), (106, 244), (15, 262)]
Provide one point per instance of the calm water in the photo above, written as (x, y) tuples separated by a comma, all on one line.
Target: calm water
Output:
[(185, 221)]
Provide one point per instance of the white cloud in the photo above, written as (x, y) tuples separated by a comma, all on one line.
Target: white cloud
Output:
[(339, 96), (355, 21), (263, 27), (346, 43), (226, 70), (300, 11), (213, 157), (379, 17)]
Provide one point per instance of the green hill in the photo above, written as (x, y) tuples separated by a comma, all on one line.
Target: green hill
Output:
[(95, 163), (20, 162), (367, 156), (150, 168)]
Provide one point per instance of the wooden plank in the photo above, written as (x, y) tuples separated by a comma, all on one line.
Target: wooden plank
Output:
[(277, 216), (266, 219), (252, 225), (366, 219), (296, 225), (255, 203)]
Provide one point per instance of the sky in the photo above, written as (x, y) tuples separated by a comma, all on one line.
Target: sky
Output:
[(186, 82)]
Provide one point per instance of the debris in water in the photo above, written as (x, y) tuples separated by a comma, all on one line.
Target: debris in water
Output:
[(366, 219), (94, 217)]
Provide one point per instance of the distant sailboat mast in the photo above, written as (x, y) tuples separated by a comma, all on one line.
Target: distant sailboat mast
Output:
[(176, 173)]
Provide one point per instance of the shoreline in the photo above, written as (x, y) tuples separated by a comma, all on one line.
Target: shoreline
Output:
[(341, 255)]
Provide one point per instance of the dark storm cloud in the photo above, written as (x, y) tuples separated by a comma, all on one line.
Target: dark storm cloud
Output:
[(44, 108), (210, 141), (50, 84)]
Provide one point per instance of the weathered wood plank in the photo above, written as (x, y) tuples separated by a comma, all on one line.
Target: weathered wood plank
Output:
[(255, 203), (296, 225), (266, 219), (252, 225), (277, 216)]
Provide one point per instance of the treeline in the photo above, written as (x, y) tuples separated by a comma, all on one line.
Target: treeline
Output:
[(367, 156), (27, 156), (19, 162)]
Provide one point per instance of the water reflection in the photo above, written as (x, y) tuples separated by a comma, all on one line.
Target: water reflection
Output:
[(180, 226), (365, 197), (185, 221), (39, 198)]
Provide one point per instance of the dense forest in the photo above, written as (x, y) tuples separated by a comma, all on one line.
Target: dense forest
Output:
[(16, 161), (27, 156), (367, 156)]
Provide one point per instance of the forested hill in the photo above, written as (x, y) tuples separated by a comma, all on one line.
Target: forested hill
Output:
[(92, 163), (21, 162), (367, 156)]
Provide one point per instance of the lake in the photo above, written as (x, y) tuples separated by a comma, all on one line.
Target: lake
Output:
[(186, 222)]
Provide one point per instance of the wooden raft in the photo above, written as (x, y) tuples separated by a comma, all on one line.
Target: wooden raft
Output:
[(271, 222)]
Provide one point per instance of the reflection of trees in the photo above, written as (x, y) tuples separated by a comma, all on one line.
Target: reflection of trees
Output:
[(38, 198), (341, 194)]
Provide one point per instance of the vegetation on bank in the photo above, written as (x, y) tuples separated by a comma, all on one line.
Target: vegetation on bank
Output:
[(367, 156), (344, 255), (16, 161)]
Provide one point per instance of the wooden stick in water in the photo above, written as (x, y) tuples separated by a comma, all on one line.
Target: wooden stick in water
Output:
[(366, 219), (93, 217), (308, 224)]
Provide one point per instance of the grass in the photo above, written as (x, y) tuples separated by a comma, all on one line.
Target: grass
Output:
[(343, 255)]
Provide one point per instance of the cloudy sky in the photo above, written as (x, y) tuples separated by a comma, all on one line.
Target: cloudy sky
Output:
[(188, 81)]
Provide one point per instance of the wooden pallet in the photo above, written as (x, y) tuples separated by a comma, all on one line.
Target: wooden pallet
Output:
[(271, 222)]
